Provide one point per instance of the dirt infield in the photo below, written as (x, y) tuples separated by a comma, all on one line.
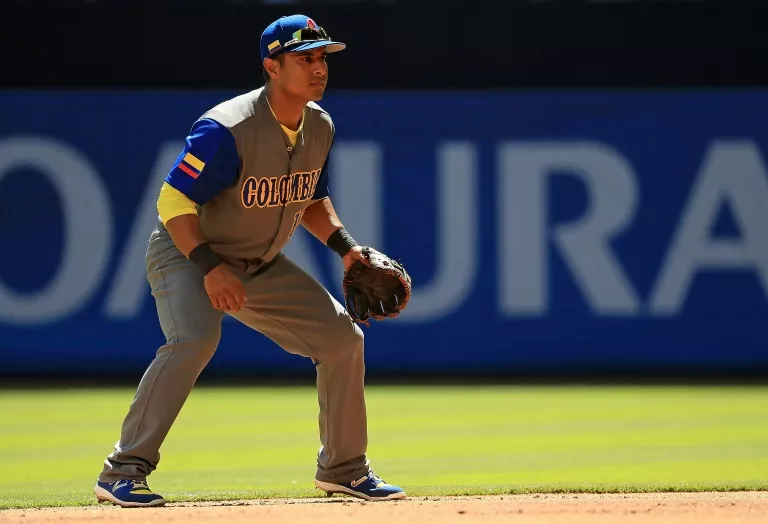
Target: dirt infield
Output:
[(657, 508)]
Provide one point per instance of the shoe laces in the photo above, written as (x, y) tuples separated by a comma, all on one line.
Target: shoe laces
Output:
[(375, 478), (139, 484)]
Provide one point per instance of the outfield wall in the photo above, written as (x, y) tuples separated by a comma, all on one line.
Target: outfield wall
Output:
[(545, 231)]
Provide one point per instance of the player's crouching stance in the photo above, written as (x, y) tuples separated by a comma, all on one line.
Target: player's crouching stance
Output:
[(253, 169)]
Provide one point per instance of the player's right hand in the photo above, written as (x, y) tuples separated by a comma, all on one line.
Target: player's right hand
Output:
[(226, 291)]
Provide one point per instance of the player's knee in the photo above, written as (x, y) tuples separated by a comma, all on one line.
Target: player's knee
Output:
[(354, 345), (356, 340), (346, 344), (199, 330), (201, 340), (190, 355)]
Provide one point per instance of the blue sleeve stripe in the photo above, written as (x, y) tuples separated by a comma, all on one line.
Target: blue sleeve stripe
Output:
[(208, 164), (321, 189)]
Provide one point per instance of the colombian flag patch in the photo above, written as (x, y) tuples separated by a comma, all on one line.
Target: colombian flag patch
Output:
[(274, 45), (191, 165)]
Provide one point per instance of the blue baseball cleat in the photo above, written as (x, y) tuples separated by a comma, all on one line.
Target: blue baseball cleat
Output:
[(369, 487), (128, 494)]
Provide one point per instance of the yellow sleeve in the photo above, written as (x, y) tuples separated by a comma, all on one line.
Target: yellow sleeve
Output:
[(172, 203)]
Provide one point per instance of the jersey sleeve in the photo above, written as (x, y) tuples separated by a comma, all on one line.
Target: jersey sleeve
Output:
[(321, 189), (172, 203), (208, 164)]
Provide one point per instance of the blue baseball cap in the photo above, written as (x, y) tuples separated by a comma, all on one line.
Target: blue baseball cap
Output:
[(295, 33)]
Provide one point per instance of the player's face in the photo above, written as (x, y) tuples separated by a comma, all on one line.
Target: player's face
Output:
[(305, 74)]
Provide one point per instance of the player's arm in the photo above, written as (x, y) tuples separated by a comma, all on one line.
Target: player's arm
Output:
[(179, 215), (207, 165), (321, 220)]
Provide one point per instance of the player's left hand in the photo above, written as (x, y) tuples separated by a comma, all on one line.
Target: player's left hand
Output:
[(354, 254), (375, 286)]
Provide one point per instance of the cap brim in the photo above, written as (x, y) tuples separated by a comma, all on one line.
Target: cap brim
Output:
[(331, 46)]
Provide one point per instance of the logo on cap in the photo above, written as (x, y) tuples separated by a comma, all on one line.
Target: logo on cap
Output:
[(311, 24), (273, 46)]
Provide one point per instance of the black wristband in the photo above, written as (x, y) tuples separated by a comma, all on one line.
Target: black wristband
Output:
[(341, 242), (204, 257)]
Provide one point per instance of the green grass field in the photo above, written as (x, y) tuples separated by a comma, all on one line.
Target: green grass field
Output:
[(233, 443)]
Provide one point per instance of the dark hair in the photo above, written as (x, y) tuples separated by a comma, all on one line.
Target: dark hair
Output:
[(264, 73)]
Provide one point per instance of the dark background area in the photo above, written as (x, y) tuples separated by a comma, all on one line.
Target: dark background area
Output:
[(401, 44)]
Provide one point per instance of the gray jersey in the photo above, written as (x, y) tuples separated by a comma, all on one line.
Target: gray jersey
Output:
[(249, 222)]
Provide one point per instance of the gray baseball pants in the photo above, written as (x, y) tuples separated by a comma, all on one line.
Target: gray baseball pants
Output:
[(284, 303)]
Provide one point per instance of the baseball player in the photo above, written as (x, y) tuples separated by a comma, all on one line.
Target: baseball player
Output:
[(253, 169)]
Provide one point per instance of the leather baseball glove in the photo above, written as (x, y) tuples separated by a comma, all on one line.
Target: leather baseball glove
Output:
[(375, 286)]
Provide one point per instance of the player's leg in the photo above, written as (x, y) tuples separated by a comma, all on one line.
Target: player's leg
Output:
[(192, 328), (298, 313)]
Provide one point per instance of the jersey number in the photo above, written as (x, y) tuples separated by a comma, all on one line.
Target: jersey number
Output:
[(296, 222)]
